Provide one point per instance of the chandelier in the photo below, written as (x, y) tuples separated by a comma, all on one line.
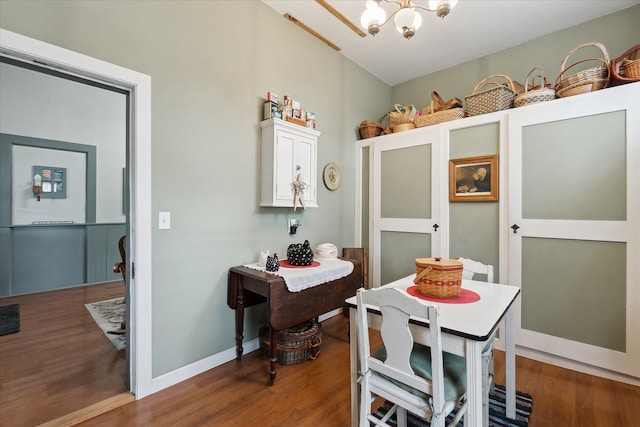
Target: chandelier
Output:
[(406, 18)]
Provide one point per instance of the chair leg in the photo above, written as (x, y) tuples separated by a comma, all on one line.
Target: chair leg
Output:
[(401, 417)]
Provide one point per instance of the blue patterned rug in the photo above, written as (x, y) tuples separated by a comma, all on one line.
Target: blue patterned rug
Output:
[(9, 319), (497, 411)]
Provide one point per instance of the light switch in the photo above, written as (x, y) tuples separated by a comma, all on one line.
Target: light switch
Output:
[(164, 220)]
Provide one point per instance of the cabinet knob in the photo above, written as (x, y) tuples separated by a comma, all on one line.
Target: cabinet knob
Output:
[(515, 227)]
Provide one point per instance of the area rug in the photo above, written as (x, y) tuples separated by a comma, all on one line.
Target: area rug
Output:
[(108, 315), (9, 319), (497, 411)]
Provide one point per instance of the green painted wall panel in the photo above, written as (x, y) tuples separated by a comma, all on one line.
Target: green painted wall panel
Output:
[(406, 182), (580, 297), (576, 169), (398, 251)]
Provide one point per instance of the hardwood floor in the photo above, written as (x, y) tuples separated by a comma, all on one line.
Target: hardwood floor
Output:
[(60, 361), (316, 393)]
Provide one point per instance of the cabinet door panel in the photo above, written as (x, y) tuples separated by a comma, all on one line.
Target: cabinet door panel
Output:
[(305, 165), (284, 165), (573, 192), (406, 199)]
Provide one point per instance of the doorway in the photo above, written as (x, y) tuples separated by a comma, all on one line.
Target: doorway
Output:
[(25, 49)]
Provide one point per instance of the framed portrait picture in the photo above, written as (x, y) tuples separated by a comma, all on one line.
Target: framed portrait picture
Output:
[(473, 179)]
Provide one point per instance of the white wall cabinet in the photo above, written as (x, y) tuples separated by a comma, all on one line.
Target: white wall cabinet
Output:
[(288, 150)]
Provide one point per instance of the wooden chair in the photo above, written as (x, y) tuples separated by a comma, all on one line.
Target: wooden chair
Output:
[(121, 267), (361, 255), (415, 378), (469, 269)]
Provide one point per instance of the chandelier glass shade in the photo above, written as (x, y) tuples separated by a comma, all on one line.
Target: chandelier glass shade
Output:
[(407, 19)]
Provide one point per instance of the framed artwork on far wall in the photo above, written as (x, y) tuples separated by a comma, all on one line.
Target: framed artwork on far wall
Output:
[(473, 179)]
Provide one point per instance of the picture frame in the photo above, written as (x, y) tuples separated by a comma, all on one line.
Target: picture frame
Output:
[(474, 179)]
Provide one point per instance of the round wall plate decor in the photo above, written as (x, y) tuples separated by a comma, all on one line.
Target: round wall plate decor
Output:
[(331, 176)]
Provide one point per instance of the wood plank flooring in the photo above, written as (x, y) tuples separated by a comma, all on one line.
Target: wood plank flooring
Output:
[(60, 361), (316, 393)]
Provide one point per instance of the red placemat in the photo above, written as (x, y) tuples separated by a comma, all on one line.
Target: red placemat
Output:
[(285, 263), (466, 296)]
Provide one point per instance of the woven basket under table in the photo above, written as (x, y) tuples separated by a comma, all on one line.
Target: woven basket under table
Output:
[(295, 344)]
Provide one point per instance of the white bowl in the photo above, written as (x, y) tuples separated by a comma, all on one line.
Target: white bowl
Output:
[(326, 251)]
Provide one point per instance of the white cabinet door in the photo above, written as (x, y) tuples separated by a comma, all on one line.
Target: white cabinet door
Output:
[(574, 205), (288, 151), (406, 202)]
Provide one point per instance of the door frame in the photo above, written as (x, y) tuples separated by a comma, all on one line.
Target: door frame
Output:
[(139, 86)]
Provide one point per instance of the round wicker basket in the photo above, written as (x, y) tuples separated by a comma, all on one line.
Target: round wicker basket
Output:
[(535, 96), (589, 80)]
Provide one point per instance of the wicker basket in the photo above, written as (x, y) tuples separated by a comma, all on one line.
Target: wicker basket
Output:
[(369, 129), (626, 67), (429, 117), (437, 277), (589, 80), (534, 96), (400, 116), (497, 98), (439, 111), (295, 344)]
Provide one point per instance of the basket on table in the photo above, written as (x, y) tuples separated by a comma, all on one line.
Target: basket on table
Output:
[(439, 111), (626, 67), (296, 344), (589, 80), (438, 277), (369, 129), (535, 93), (499, 97)]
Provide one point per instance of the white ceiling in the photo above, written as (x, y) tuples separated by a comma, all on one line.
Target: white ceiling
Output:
[(473, 29)]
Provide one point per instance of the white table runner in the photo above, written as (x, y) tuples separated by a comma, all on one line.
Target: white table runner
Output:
[(298, 279)]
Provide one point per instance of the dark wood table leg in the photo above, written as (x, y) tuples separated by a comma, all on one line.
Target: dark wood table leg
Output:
[(273, 356), (239, 319)]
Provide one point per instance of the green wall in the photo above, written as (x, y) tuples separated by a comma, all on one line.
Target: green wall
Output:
[(209, 79)]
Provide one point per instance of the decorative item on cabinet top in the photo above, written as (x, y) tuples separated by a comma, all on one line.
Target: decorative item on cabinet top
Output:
[(439, 111), (500, 97), (589, 80), (535, 93), (290, 111), (626, 67)]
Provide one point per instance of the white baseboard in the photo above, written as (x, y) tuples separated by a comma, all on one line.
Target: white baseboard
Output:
[(196, 368), (575, 366)]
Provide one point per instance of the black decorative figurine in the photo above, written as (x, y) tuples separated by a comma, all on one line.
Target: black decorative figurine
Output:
[(272, 263)]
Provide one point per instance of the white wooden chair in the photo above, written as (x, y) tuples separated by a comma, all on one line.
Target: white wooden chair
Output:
[(415, 378), (469, 269)]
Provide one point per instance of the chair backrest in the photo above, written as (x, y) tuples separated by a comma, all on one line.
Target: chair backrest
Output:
[(121, 267), (471, 268), (361, 255), (396, 308)]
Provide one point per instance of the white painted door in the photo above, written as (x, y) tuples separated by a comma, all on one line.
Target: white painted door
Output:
[(574, 205), (405, 197)]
